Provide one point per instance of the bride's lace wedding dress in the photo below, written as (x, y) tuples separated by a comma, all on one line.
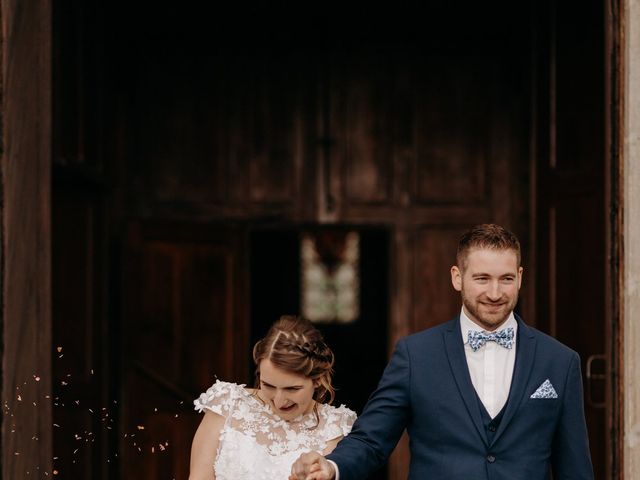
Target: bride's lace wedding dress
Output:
[(256, 444)]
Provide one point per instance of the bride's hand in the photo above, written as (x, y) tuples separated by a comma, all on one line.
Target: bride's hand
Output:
[(312, 466)]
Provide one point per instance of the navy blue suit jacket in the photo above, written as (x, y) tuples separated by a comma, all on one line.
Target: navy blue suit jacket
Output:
[(426, 388)]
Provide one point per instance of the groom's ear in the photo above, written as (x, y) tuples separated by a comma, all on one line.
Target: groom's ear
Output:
[(520, 271), (456, 278)]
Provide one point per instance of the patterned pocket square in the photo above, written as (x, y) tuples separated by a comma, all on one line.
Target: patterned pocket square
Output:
[(545, 390)]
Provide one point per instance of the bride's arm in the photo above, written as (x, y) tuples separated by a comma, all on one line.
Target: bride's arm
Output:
[(205, 447), (331, 444)]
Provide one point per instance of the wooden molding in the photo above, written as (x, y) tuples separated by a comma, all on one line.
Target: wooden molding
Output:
[(26, 239)]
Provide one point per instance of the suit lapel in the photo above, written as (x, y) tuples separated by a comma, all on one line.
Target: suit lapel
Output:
[(458, 362), (526, 349)]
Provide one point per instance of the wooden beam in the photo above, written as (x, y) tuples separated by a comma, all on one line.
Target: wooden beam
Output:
[(26, 236)]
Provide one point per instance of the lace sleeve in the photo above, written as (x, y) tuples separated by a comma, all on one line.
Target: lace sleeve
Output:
[(218, 398), (339, 422)]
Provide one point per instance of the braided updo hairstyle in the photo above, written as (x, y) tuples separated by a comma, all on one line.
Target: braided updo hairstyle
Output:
[(293, 344)]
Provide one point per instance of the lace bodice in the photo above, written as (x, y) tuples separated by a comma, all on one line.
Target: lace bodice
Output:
[(257, 444)]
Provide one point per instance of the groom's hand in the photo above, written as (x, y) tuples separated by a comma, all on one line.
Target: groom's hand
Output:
[(312, 466)]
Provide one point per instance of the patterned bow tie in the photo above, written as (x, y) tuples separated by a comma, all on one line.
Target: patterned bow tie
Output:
[(503, 337)]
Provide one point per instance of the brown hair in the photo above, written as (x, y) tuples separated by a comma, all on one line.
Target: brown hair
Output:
[(486, 236), (296, 346)]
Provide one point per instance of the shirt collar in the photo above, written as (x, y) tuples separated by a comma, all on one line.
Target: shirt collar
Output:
[(467, 324)]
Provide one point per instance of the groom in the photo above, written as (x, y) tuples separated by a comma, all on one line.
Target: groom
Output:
[(483, 396)]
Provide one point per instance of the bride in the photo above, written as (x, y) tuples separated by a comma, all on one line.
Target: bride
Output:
[(258, 433)]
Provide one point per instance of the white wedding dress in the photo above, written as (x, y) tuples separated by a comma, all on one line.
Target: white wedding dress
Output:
[(257, 444)]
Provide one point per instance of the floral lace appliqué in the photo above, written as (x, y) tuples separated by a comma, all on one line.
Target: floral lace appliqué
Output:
[(256, 443)]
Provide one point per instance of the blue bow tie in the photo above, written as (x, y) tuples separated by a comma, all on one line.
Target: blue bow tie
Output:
[(503, 338)]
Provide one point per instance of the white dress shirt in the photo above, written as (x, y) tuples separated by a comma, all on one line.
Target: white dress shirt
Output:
[(491, 366)]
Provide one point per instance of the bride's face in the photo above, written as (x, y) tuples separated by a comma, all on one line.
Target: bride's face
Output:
[(289, 395)]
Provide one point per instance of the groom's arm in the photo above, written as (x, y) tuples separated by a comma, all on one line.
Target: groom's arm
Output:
[(570, 457), (384, 418)]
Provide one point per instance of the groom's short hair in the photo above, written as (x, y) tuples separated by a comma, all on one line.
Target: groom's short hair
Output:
[(486, 236)]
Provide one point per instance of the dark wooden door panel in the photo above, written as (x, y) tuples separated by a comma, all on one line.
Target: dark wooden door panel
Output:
[(184, 326), (572, 306), (396, 127), (234, 133), (435, 300), (82, 410), (451, 130), (570, 199), (361, 123)]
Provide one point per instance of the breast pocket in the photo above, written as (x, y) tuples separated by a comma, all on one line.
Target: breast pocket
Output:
[(540, 415)]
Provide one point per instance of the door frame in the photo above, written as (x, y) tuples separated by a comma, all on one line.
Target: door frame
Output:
[(25, 183), (615, 25)]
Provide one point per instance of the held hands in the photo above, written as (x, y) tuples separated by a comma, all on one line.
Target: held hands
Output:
[(312, 466)]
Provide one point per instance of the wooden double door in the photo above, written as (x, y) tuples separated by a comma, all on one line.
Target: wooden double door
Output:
[(414, 134)]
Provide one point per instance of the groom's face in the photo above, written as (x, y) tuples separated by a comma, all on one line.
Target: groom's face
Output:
[(489, 282)]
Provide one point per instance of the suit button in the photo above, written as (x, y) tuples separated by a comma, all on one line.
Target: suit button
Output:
[(491, 458), (492, 427)]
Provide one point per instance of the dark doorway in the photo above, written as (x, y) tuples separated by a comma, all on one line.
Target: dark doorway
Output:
[(360, 346)]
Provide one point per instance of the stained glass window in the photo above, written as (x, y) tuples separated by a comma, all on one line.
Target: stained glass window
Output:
[(330, 286)]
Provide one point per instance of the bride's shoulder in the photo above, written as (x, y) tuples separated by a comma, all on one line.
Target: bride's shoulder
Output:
[(338, 418), (220, 394), (341, 411), (221, 387)]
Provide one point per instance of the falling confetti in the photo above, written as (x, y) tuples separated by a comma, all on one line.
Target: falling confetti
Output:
[(83, 440)]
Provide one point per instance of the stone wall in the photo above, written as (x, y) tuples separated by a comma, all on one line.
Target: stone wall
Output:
[(631, 359)]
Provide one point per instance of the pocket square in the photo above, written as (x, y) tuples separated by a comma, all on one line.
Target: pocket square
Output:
[(545, 390)]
